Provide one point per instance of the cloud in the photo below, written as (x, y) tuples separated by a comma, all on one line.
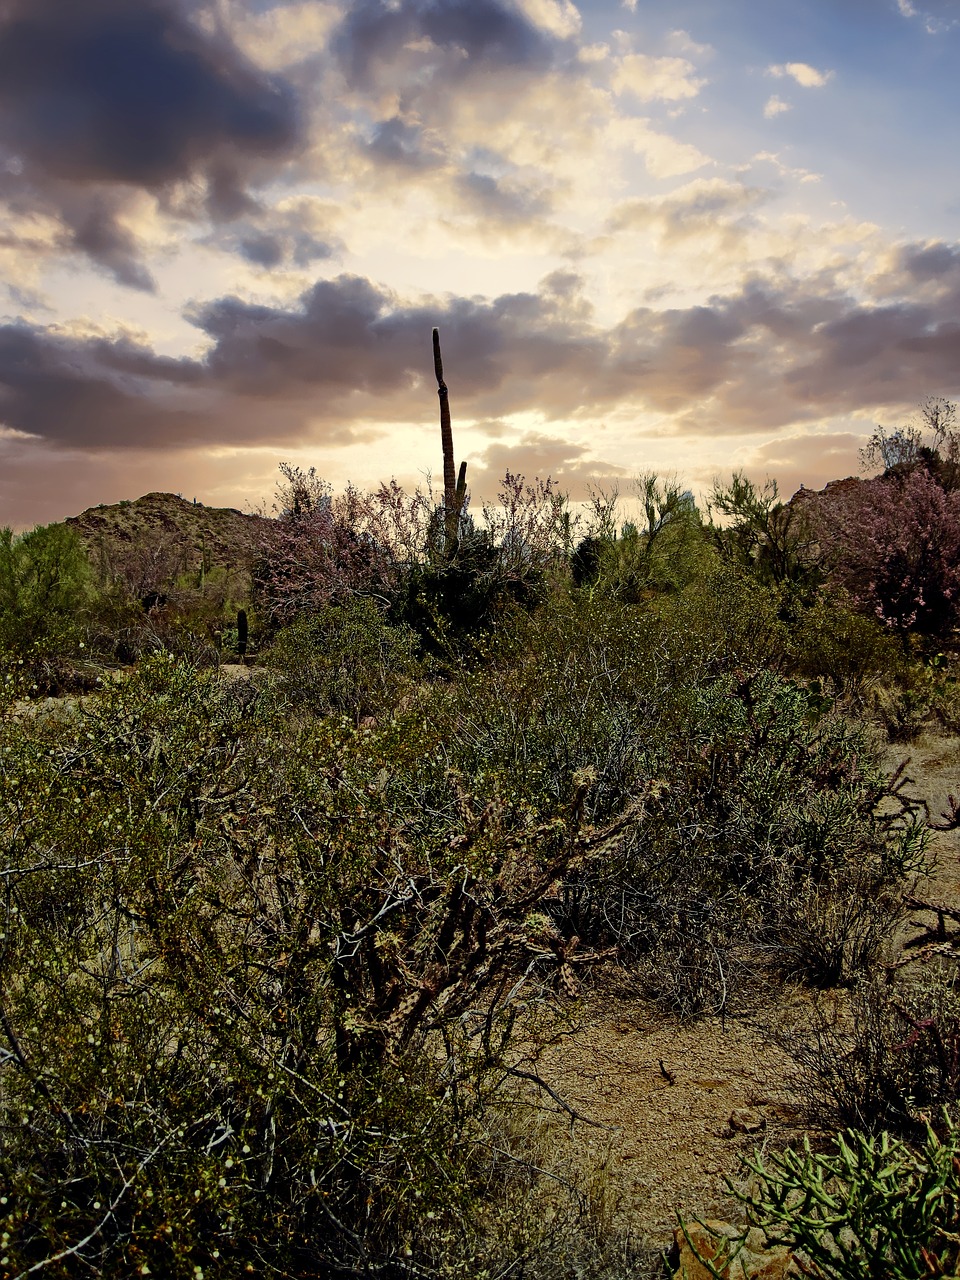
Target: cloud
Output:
[(810, 459), (655, 79), (775, 106), (785, 170), (937, 17), (664, 156), (104, 98), (933, 261), (493, 198), (705, 207), (536, 454), (350, 360), (437, 40), (560, 17), (805, 75)]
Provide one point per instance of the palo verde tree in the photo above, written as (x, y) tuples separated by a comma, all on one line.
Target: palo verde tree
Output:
[(770, 538), (45, 583)]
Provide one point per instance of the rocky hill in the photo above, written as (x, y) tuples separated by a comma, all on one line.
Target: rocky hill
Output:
[(160, 538)]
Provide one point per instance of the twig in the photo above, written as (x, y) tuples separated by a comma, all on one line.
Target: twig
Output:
[(572, 1112)]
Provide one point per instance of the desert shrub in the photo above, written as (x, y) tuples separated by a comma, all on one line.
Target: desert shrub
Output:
[(344, 660), (925, 694), (885, 1056), (931, 441), (870, 1206), (725, 620), (830, 640), (319, 550), (768, 842), (261, 980), (46, 600), (662, 551), (452, 598), (772, 540), (762, 848), (44, 585)]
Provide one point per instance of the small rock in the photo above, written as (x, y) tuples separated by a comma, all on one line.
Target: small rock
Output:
[(744, 1121), (715, 1240)]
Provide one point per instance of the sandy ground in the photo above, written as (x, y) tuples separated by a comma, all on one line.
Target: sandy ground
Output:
[(683, 1103)]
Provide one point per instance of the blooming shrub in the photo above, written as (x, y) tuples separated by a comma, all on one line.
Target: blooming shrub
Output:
[(895, 546)]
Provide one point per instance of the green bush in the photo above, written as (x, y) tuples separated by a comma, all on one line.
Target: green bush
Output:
[(46, 599), (769, 841), (666, 550), (346, 660), (830, 640), (44, 585)]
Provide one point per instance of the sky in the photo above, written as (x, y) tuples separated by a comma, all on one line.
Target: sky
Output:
[(689, 238)]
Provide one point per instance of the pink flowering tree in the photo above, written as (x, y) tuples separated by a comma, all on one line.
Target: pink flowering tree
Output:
[(319, 550), (894, 543)]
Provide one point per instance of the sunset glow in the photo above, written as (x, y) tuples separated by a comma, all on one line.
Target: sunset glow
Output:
[(691, 238)]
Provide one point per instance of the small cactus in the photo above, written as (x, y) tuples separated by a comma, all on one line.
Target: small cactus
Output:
[(242, 635)]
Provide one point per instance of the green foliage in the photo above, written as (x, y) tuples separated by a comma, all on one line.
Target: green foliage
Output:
[(258, 982), (725, 620), (663, 552), (44, 585), (345, 660), (452, 598), (760, 848), (830, 640), (871, 1207), (924, 695), (764, 535), (270, 947)]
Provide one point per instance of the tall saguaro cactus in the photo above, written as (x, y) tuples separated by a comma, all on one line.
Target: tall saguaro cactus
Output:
[(454, 487)]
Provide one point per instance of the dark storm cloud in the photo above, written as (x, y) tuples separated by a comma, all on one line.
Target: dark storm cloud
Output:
[(930, 262), (295, 236), (91, 393), (262, 250), (473, 34), (107, 94), (351, 356), (111, 91), (94, 218)]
